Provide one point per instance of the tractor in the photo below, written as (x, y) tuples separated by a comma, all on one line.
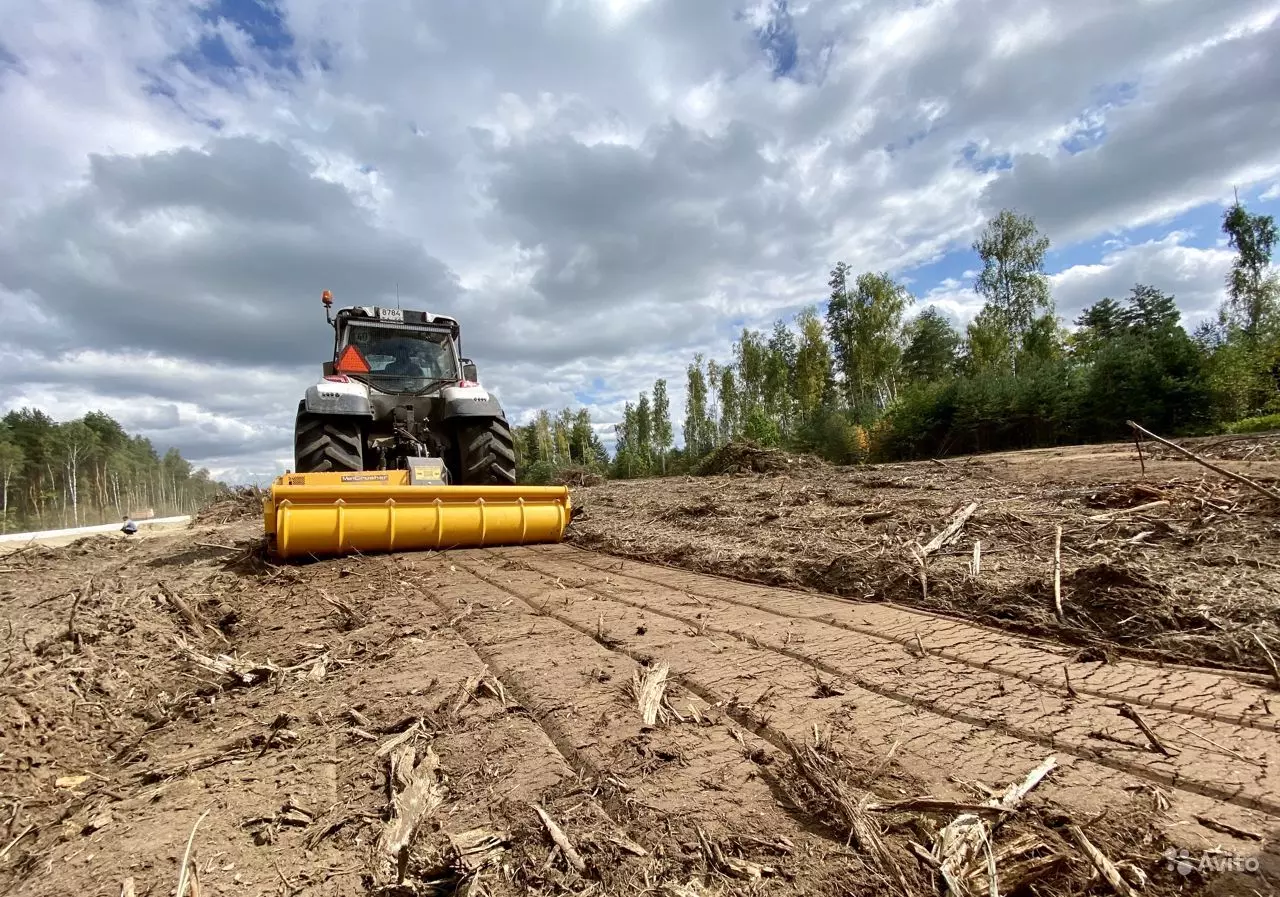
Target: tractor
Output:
[(398, 394)]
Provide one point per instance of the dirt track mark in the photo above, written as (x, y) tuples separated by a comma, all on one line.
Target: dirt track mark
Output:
[(786, 690), (575, 687), (1224, 696), (400, 665), (704, 773), (985, 699)]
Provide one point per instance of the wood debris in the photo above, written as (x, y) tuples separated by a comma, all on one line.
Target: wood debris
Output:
[(647, 687), (957, 846), (236, 670), (1124, 512), (852, 811), (1239, 478), (730, 865), (1128, 712), (561, 840), (417, 792), (1105, 867), (478, 848), (950, 532), (1057, 574), (223, 752)]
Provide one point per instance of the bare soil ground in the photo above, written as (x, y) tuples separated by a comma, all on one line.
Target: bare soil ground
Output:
[(1164, 560), (182, 717)]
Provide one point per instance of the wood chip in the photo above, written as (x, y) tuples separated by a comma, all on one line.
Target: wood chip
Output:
[(649, 688), (626, 844), (478, 848), (421, 795), (1105, 867), (1137, 509), (952, 530), (561, 840), (392, 743)]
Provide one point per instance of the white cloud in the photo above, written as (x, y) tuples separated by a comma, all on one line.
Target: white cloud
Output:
[(1194, 277), (597, 190), (1165, 153)]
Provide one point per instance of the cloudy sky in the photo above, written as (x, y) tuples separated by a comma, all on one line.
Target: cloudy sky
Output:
[(596, 188)]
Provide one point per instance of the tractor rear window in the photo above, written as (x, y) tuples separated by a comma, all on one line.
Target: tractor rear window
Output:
[(415, 356)]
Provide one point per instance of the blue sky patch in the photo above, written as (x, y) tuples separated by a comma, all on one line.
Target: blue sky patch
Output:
[(1084, 139), (985, 162), (1112, 96), (260, 21), (778, 40), (1105, 98), (951, 265)]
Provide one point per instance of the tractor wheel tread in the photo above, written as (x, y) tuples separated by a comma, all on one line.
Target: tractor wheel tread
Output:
[(324, 444), (487, 455)]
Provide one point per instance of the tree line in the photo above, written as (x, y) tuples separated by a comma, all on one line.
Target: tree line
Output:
[(89, 471), (860, 381)]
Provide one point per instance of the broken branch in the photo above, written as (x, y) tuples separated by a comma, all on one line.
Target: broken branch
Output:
[(561, 840), (952, 530), (1269, 493)]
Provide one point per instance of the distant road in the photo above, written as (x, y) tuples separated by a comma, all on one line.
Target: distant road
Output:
[(62, 536)]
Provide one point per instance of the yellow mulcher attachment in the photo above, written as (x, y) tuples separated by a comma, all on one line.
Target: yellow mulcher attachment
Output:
[(371, 439), (334, 513)]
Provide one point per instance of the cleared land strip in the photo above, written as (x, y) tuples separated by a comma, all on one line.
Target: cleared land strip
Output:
[(952, 735), (1225, 696), (706, 778), (293, 774), (1218, 759)]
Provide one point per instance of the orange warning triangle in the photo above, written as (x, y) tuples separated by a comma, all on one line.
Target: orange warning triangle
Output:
[(352, 362)]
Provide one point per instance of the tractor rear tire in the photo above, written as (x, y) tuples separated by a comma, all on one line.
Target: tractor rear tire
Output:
[(327, 443), (486, 454)]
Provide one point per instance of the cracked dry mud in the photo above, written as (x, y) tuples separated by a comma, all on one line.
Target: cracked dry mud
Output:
[(512, 665)]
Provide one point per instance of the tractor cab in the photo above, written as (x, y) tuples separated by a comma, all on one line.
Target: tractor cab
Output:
[(397, 351)]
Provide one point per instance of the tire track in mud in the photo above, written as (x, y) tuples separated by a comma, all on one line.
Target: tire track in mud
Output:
[(397, 666), (1221, 695), (984, 699), (969, 747), (706, 772)]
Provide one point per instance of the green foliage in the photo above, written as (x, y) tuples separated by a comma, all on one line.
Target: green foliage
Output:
[(662, 435), (546, 445), (1252, 289), (699, 427), (932, 348), (1131, 362), (855, 381), (811, 383), (1012, 280), (865, 329), (988, 345), (88, 471), (762, 429), (1264, 424)]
